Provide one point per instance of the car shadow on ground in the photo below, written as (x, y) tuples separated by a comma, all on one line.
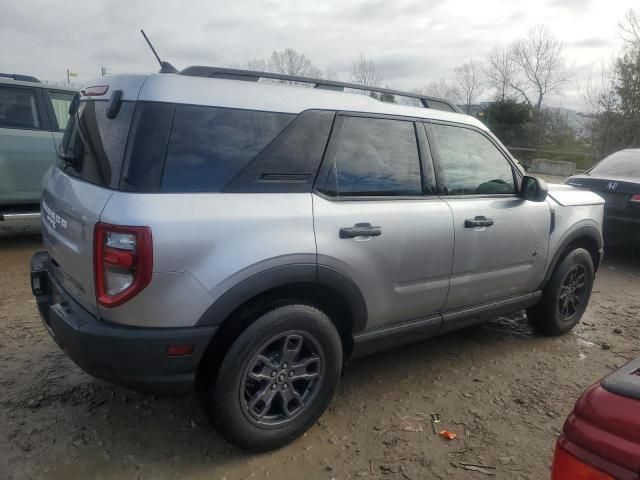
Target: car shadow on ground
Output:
[(168, 430), (626, 257)]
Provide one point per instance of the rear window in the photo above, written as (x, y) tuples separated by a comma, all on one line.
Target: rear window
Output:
[(209, 146), (624, 164), (93, 145), (18, 108), (60, 102), (155, 146)]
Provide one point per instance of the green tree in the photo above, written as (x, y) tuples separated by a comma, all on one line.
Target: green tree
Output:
[(617, 124), (387, 97), (508, 119), (627, 89)]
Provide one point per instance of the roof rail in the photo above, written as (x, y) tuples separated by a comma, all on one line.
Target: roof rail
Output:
[(20, 78), (252, 76)]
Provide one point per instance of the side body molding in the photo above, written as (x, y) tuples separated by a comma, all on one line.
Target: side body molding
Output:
[(311, 275)]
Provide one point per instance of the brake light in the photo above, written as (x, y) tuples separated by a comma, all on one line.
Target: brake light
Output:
[(95, 91), (568, 467), (635, 198), (123, 262)]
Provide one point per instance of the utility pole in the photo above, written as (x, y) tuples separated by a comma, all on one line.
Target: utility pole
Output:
[(70, 74), (103, 71)]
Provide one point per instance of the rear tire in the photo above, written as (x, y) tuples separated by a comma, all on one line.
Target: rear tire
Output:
[(277, 378), (566, 295)]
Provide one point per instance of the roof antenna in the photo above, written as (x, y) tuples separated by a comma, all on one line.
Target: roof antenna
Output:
[(165, 67)]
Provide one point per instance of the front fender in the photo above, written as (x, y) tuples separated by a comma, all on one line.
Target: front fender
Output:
[(585, 229)]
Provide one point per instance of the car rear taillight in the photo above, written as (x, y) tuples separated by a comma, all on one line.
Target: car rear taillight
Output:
[(635, 198), (567, 467), (123, 262)]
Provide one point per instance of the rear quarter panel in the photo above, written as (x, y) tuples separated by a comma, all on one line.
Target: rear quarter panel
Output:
[(205, 243)]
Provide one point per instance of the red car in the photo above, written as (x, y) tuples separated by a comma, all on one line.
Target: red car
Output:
[(601, 437)]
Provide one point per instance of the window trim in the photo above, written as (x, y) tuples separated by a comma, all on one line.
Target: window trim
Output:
[(442, 188), (43, 118), (425, 161)]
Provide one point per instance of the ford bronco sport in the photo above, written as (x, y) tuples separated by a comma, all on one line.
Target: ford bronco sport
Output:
[(211, 229)]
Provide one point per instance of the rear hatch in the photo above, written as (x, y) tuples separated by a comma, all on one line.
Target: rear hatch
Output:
[(76, 190)]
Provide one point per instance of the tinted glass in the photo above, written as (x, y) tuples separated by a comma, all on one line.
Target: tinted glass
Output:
[(147, 147), (291, 161), (375, 157), (471, 164), (18, 108), (60, 102), (624, 164), (93, 145), (209, 146)]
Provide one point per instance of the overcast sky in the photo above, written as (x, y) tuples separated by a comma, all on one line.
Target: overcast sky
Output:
[(413, 42)]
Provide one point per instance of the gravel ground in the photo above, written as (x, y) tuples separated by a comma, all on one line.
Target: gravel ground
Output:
[(502, 389)]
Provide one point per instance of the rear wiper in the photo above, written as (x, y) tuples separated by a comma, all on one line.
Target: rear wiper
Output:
[(69, 159)]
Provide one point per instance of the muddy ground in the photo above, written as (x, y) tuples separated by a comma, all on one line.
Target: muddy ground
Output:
[(502, 389)]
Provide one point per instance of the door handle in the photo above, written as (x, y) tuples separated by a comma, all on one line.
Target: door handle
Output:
[(360, 230), (479, 221)]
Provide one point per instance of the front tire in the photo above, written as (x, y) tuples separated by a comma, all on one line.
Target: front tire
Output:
[(566, 295), (277, 378)]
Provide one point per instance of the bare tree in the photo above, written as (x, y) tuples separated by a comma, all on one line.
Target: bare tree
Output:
[(598, 88), (286, 62), (501, 73), (444, 89), (541, 67), (468, 78), (291, 62), (365, 72), (630, 28), (258, 65), (330, 74)]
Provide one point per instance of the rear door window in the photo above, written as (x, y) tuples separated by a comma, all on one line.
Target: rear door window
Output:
[(209, 146), (18, 108), (373, 157), (60, 102), (470, 163)]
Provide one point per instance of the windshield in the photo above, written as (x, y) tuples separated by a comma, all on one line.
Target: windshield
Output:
[(93, 145), (625, 163)]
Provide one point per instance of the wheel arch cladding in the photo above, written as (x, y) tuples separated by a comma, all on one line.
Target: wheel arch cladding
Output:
[(323, 287), (588, 237)]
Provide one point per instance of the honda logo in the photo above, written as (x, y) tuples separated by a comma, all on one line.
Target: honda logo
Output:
[(612, 185)]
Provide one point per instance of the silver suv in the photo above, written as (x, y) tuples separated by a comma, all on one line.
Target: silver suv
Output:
[(215, 229)]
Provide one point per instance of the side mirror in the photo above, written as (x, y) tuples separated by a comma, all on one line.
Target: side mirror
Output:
[(533, 189)]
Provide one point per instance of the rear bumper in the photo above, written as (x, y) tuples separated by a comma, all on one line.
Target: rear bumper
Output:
[(128, 356)]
